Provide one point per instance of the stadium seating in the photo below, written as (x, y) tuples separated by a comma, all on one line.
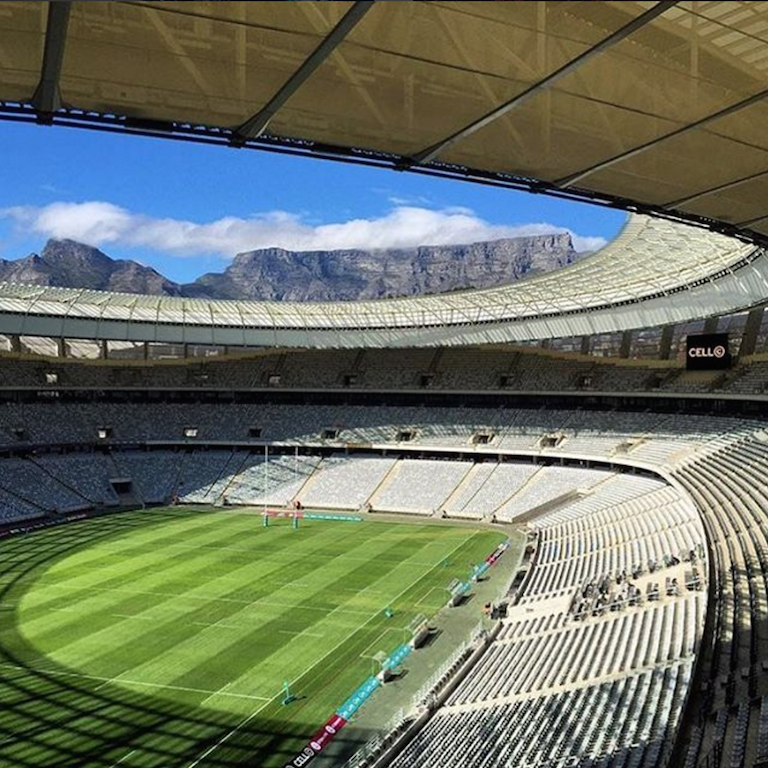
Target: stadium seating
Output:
[(87, 474), (591, 524), (14, 508), (487, 488), (511, 488), (199, 475), (346, 481), (32, 482), (154, 473), (546, 690), (547, 486), (469, 369), (550, 730), (655, 438), (728, 487), (275, 482), (419, 486)]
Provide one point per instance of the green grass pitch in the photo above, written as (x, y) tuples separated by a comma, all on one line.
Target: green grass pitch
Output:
[(162, 638)]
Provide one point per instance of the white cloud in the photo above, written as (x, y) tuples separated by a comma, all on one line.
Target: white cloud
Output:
[(101, 223), (420, 200)]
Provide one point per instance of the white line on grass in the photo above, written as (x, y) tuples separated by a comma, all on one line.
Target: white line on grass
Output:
[(427, 594), (124, 757), (267, 557), (227, 736), (299, 632), (206, 598), (364, 654), (119, 681), (216, 693), (220, 625)]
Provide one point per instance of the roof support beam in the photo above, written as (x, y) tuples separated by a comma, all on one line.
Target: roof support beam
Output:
[(256, 125), (575, 178), (47, 97), (430, 153), (714, 190), (750, 222)]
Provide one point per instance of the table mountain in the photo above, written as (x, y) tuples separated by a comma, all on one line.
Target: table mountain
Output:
[(275, 273), (69, 264)]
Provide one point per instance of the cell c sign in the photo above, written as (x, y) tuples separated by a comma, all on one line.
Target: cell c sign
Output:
[(707, 352)]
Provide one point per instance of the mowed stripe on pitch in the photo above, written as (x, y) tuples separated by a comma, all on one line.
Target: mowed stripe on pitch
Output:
[(216, 655), (234, 658), (170, 645), (118, 569), (93, 633), (153, 569), (234, 650), (258, 600), (335, 677)]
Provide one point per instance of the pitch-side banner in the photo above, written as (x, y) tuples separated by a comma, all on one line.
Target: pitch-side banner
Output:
[(707, 352), (318, 742)]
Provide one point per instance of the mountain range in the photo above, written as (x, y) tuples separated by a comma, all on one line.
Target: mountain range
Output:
[(278, 274)]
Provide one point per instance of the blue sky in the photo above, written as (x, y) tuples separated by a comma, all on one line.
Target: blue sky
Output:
[(186, 209)]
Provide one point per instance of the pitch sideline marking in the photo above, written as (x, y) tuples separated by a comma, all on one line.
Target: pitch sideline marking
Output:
[(299, 632), (387, 630), (206, 598), (428, 593), (118, 681), (124, 757), (227, 736)]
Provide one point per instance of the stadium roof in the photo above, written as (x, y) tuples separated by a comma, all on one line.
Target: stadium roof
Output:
[(656, 272), (644, 105)]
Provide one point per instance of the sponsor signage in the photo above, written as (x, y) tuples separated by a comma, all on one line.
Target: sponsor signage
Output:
[(497, 553), (480, 570), (310, 515), (358, 698), (318, 742), (707, 352), (397, 657), (457, 587), (344, 713)]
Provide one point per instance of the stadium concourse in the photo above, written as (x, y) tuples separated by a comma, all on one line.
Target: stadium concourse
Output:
[(636, 628)]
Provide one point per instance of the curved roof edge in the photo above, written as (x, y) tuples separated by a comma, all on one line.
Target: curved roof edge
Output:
[(654, 273)]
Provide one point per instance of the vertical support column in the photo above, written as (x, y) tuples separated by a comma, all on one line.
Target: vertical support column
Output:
[(104, 349), (544, 344), (15, 343), (751, 330), (186, 350), (626, 344), (61, 347), (586, 345), (665, 343), (145, 350)]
